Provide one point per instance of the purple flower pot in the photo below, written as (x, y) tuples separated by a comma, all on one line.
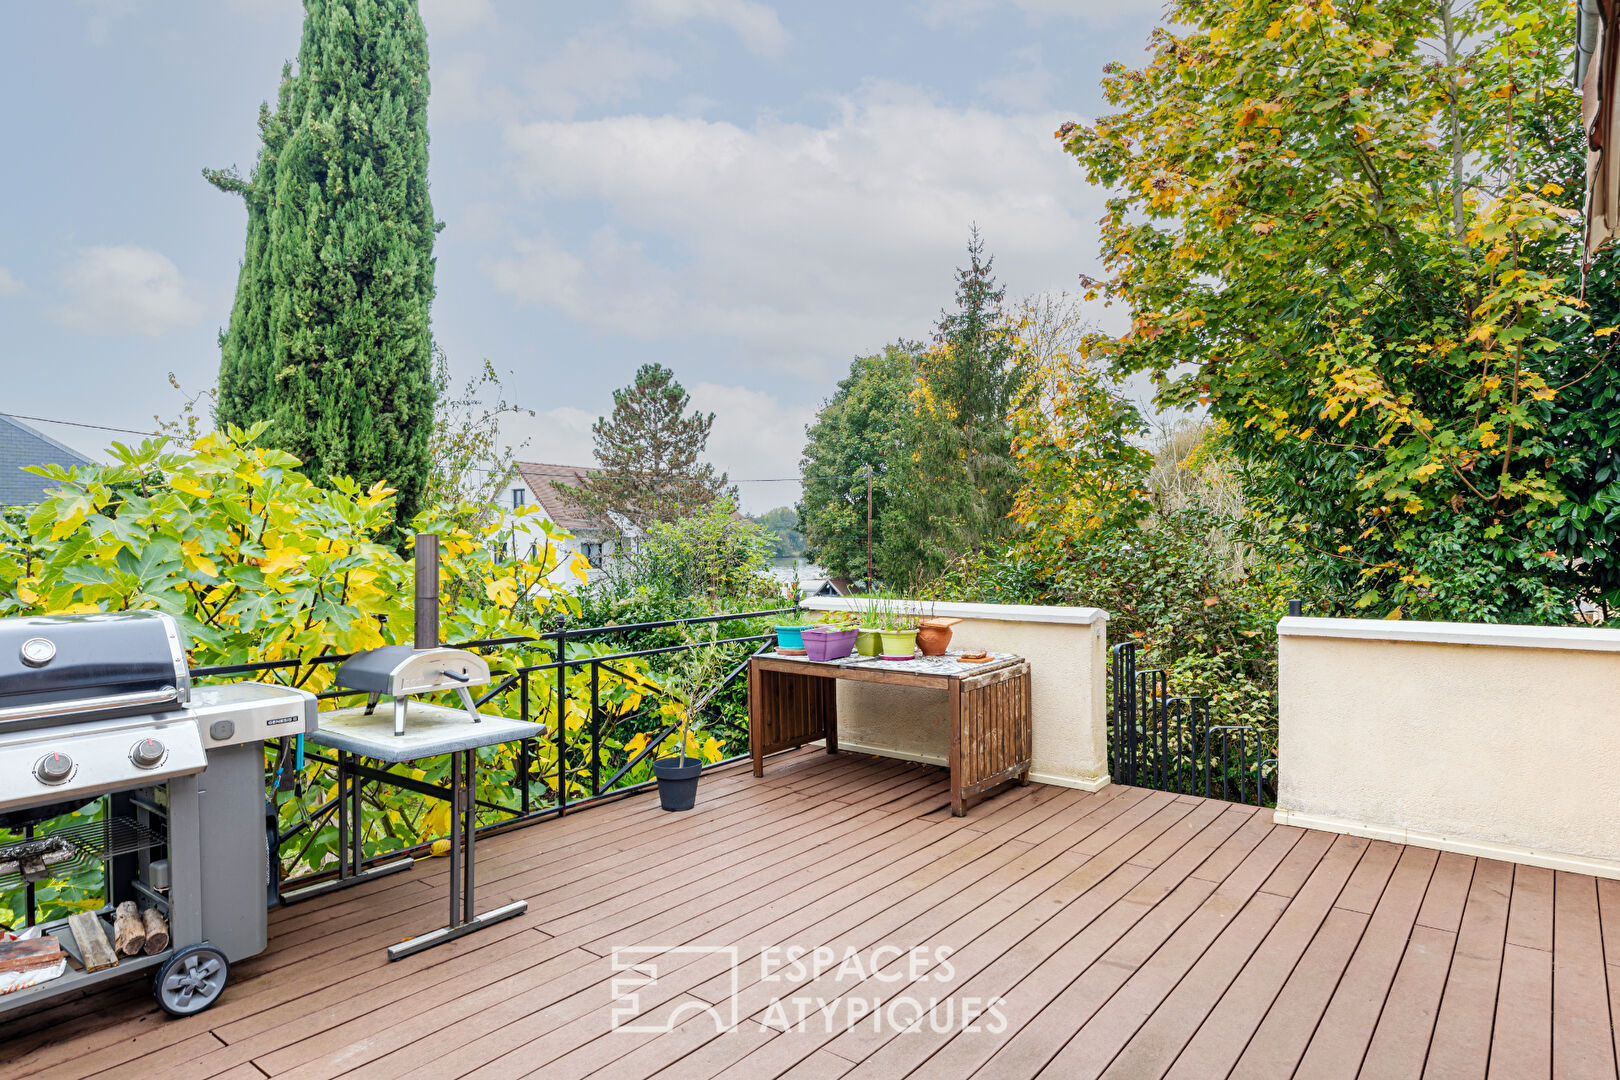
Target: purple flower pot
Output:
[(825, 643)]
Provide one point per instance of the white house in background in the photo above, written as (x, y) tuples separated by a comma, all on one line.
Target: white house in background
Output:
[(550, 488)]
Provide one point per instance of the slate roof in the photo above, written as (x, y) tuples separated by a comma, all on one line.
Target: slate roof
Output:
[(21, 445)]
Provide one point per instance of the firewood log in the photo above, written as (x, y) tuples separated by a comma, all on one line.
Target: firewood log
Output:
[(92, 939), (129, 932), (157, 931)]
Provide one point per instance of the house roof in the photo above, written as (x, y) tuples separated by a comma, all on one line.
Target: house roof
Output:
[(552, 486), (21, 445)]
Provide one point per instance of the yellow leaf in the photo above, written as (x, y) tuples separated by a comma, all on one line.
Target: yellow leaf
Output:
[(1396, 614), (437, 822), (278, 559), (1487, 437), (502, 591), (187, 486)]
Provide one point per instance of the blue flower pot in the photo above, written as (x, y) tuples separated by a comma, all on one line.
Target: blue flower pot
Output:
[(789, 637)]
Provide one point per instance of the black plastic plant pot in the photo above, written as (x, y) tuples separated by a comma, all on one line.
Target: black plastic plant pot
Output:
[(678, 781)]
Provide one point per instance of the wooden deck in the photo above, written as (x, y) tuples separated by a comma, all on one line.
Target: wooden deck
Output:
[(1122, 934)]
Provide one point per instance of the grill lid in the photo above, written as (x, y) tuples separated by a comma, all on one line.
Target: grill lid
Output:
[(62, 668)]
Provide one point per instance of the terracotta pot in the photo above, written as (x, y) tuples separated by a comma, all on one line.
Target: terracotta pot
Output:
[(934, 635)]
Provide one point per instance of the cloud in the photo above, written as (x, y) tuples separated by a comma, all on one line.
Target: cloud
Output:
[(10, 285), (560, 436), (103, 13), (754, 437), (969, 13), (802, 243), (456, 16), (1027, 86), (126, 291), (597, 66), (754, 23)]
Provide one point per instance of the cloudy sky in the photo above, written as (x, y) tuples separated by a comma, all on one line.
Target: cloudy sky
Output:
[(750, 193)]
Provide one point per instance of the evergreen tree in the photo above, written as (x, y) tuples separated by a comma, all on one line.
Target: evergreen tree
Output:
[(647, 452), (329, 337), (955, 488)]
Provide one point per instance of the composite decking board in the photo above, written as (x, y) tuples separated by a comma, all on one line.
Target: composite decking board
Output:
[(1092, 891), (1143, 936), (1521, 1042), (1174, 930), (1461, 1044), (1530, 911), (1236, 905), (725, 794), (952, 917), (1030, 980), (1609, 914), (992, 849), (1160, 1041), (1583, 1036), (1443, 904), (488, 1035), (499, 1040), (1341, 1038)]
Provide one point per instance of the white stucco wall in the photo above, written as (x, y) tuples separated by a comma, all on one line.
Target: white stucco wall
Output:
[(1500, 741), (1067, 650)]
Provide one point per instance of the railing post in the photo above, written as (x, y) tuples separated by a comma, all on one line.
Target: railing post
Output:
[(596, 732), (523, 747), (1296, 608), (562, 718)]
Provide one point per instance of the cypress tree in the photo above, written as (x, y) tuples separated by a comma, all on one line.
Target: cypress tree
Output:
[(329, 337)]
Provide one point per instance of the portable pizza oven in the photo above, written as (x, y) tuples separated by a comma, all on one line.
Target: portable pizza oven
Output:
[(401, 672), (102, 705)]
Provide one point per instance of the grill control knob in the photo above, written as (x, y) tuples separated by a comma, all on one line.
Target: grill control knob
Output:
[(53, 768), (147, 753)]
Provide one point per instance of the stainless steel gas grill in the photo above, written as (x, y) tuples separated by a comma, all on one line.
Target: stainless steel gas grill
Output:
[(102, 705)]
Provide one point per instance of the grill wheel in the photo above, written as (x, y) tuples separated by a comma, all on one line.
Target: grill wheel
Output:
[(191, 980)]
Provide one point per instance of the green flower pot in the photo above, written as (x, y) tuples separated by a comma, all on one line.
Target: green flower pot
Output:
[(899, 642), (866, 642)]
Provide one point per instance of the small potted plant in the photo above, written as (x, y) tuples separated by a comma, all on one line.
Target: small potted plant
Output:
[(896, 625), (790, 635), (678, 773), (829, 642)]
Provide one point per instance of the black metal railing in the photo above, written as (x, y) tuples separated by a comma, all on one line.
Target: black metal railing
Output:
[(580, 773), (1167, 742)]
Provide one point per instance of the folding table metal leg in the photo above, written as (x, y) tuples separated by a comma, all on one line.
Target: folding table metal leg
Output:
[(463, 827), (351, 852)]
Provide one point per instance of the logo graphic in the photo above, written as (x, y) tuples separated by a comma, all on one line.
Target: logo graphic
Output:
[(644, 963)]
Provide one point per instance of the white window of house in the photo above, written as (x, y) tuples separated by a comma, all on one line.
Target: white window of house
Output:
[(592, 553), (518, 495)]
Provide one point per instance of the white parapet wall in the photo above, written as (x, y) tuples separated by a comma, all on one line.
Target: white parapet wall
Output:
[(1496, 741), (1067, 650)]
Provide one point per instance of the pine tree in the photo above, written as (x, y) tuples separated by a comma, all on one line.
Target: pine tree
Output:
[(957, 488), (329, 337), (647, 452)]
